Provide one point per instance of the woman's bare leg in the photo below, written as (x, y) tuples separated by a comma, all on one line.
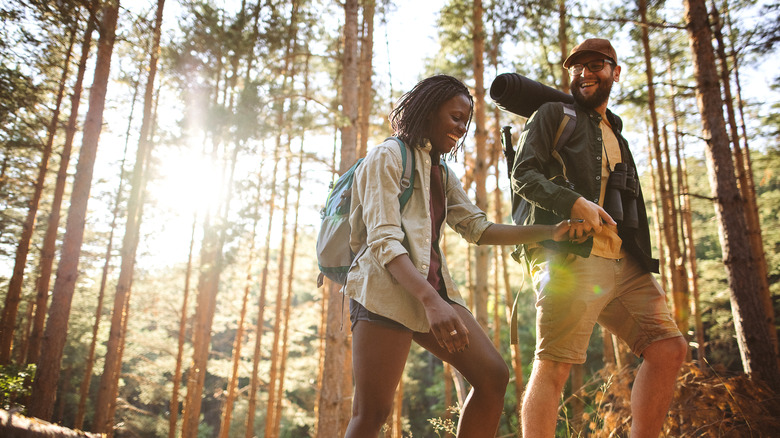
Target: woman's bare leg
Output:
[(378, 358), (485, 370)]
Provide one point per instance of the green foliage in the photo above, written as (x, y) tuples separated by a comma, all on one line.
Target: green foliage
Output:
[(15, 384)]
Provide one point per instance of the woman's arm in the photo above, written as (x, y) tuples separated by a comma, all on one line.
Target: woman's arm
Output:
[(503, 234), (441, 316)]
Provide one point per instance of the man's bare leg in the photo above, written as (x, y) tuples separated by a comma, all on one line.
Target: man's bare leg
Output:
[(654, 386), (542, 397)]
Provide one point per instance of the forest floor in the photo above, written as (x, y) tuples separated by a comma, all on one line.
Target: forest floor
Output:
[(706, 404)]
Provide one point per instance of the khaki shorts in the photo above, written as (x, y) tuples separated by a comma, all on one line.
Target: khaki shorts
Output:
[(573, 293)]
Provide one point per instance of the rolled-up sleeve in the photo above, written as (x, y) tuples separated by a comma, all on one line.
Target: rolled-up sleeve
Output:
[(462, 215), (377, 187)]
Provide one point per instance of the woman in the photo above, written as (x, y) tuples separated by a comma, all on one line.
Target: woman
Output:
[(400, 288)]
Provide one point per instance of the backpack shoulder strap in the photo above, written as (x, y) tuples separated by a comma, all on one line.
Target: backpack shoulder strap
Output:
[(407, 180), (446, 172), (566, 128), (564, 132)]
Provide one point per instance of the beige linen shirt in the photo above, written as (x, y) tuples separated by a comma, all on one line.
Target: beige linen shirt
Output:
[(375, 218)]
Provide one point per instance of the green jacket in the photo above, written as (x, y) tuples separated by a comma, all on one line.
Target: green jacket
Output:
[(538, 177)]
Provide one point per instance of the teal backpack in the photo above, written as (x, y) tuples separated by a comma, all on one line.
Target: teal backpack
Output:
[(334, 256)]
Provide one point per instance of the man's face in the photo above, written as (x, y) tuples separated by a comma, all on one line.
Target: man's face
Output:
[(591, 89)]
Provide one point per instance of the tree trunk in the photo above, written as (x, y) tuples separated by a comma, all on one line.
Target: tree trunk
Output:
[(322, 330), (275, 347), (21, 353), (668, 210), (745, 178), (482, 253), (290, 277), (13, 298), (758, 357), (227, 413), (208, 287), (86, 381), (109, 380), (256, 357), (52, 225), (656, 215), (690, 255), (366, 71), (680, 292), (174, 404), (333, 398), (564, 42), (282, 120), (349, 89), (43, 390), (750, 183)]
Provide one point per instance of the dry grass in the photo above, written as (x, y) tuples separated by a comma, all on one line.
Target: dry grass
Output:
[(709, 404)]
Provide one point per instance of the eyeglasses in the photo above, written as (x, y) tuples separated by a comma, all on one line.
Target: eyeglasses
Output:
[(593, 66)]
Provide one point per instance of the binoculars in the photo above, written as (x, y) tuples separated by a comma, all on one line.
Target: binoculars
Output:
[(620, 196)]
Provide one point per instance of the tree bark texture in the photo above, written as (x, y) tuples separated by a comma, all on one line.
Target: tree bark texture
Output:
[(43, 391), (758, 358), (482, 253), (366, 72), (14, 295), (174, 403), (53, 222), (333, 397), (109, 380), (745, 178)]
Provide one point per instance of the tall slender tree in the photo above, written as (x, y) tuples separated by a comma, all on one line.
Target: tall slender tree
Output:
[(52, 225), (45, 383), (173, 405), (758, 357), (14, 295), (668, 210), (283, 119), (744, 176), (480, 169), (332, 400), (87, 379), (109, 380), (365, 69)]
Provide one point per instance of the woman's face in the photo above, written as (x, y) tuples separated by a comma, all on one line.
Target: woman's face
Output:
[(448, 124)]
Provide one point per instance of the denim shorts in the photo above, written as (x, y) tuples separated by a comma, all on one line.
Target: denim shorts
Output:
[(574, 293), (357, 312)]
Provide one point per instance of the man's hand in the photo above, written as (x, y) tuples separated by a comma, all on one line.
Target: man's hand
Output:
[(592, 216)]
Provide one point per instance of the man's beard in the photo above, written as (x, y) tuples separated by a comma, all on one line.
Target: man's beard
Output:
[(601, 95)]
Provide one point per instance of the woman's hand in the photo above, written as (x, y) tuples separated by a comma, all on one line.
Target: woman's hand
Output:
[(446, 325), (560, 230)]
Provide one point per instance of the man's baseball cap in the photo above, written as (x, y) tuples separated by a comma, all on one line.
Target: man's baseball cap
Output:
[(592, 45)]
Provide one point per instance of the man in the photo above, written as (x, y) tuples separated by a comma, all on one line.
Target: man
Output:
[(603, 274)]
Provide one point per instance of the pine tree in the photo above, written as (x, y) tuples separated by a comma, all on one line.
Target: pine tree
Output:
[(45, 383)]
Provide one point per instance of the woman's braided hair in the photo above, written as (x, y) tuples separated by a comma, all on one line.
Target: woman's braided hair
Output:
[(409, 119)]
